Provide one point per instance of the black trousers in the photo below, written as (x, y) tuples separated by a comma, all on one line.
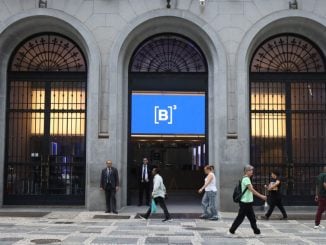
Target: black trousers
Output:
[(111, 202), (144, 187), (161, 202), (245, 210), (275, 200)]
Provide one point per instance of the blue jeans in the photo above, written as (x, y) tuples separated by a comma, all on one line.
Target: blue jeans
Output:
[(208, 204)]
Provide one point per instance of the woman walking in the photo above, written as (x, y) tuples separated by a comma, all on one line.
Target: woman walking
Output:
[(274, 189), (209, 198)]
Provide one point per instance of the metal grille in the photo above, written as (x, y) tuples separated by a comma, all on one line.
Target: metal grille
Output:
[(168, 53), (45, 143), (288, 123), (287, 53), (48, 52)]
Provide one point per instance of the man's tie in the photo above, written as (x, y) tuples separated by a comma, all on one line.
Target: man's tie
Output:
[(143, 178), (109, 176)]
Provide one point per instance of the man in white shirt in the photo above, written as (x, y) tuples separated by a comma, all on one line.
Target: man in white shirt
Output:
[(144, 181)]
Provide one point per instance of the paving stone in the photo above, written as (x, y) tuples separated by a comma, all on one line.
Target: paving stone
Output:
[(282, 241), (157, 240), (23, 214), (103, 216), (176, 234), (213, 234), (290, 230), (64, 228), (133, 233), (49, 233), (173, 241), (75, 239), (198, 228), (152, 228), (224, 241), (6, 225), (92, 230), (111, 240), (104, 223), (10, 239)]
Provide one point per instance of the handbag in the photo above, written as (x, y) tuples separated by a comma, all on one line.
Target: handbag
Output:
[(153, 207)]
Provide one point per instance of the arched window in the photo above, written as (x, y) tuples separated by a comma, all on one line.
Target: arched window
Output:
[(168, 74), (168, 53), (46, 122), (48, 53), (288, 53), (288, 113)]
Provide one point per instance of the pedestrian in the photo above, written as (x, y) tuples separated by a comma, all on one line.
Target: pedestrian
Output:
[(110, 185), (275, 196), (158, 195), (246, 202), (209, 198), (320, 198), (144, 182)]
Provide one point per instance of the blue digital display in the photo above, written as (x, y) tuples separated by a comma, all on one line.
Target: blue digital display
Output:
[(168, 114)]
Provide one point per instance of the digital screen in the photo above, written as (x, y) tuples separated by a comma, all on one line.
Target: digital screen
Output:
[(168, 114)]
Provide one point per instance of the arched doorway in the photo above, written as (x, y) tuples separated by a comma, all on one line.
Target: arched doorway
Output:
[(168, 85), (46, 122), (288, 114)]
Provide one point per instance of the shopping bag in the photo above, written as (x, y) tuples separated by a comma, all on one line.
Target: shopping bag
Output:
[(153, 207)]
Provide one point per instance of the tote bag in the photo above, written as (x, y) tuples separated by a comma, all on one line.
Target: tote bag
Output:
[(153, 207)]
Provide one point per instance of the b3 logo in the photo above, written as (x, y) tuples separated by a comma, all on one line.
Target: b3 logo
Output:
[(164, 115)]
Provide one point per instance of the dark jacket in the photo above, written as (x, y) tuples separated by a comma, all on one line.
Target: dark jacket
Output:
[(114, 178), (140, 172)]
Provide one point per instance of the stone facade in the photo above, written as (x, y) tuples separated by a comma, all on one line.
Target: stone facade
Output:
[(228, 31)]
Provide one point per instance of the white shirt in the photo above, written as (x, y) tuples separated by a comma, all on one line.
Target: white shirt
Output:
[(158, 187), (145, 169), (211, 186)]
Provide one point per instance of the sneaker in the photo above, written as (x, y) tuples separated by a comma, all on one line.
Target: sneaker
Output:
[(167, 220), (319, 227), (257, 232), (264, 217), (213, 218), (230, 234), (203, 216), (142, 217), (284, 218)]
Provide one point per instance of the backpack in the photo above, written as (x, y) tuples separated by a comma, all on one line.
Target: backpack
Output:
[(237, 193)]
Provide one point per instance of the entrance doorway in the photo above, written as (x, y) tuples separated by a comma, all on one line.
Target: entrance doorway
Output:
[(288, 115), (168, 114), (46, 123)]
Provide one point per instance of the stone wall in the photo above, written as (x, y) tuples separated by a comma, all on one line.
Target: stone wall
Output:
[(109, 30)]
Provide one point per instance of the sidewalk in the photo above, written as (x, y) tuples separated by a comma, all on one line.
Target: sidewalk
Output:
[(77, 226)]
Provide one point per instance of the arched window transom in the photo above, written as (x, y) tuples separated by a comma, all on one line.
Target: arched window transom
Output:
[(48, 53), (168, 53), (287, 53)]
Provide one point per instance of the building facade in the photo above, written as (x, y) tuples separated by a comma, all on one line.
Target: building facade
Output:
[(71, 71)]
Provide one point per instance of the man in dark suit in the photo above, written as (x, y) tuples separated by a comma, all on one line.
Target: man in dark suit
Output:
[(110, 184), (144, 180)]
